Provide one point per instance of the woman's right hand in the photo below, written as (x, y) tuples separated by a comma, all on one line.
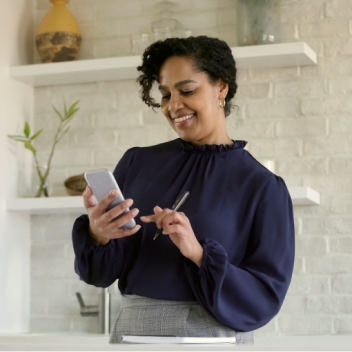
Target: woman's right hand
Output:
[(102, 226)]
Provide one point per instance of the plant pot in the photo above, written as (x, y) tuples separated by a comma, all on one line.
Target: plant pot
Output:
[(42, 186), (58, 37), (258, 22)]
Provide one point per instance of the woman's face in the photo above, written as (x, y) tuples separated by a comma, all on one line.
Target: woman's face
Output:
[(191, 103)]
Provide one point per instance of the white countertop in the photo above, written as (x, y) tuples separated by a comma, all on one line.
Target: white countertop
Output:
[(75, 342)]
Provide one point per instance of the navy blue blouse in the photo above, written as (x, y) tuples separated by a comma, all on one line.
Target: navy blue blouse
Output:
[(240, 212)]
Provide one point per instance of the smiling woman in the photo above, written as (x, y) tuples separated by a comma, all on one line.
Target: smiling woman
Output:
[(214, 271), (191, 103)]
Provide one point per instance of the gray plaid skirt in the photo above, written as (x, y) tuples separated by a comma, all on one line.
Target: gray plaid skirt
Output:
[(147, 316)]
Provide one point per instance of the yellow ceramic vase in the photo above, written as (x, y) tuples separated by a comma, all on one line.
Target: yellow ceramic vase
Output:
[(58, 37)]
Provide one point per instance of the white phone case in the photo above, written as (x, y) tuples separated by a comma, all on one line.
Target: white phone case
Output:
[(102, 182)]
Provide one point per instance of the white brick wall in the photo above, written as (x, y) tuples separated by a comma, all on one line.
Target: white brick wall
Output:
[(297, 116)]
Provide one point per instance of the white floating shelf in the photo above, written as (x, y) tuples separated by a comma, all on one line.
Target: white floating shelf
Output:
[(274, 55), (74, 205), (304, 196), (119, 68), (50, 205)]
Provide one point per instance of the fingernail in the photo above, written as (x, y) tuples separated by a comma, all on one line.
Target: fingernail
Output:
[(156, 208), (129, 202), (135, 211), (113, 193)]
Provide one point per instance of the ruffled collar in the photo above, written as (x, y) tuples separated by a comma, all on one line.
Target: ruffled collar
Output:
[(213, 148)]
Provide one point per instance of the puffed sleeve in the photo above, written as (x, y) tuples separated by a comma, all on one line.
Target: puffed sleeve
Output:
[(102, 265), (247, 296)]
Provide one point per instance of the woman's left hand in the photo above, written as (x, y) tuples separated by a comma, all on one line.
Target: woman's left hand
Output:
[(177, 226)]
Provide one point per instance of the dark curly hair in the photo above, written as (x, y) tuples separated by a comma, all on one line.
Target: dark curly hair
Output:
[(209, 55)]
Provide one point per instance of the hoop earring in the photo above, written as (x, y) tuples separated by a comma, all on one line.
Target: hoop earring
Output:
[(222, 103)]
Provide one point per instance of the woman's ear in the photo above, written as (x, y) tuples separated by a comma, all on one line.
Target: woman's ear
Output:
[(223, 89)]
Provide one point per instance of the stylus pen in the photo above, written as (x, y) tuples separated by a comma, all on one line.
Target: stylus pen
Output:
[(178, 202)]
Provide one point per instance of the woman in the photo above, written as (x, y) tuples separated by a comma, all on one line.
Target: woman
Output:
[(223, 263)]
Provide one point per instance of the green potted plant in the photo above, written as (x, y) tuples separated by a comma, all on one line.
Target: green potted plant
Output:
[(27, 139)]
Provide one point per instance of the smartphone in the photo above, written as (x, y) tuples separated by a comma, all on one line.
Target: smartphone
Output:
[(102, 182)]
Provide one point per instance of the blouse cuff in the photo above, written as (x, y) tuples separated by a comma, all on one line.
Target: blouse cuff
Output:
[(81, 234), (214, 255)]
